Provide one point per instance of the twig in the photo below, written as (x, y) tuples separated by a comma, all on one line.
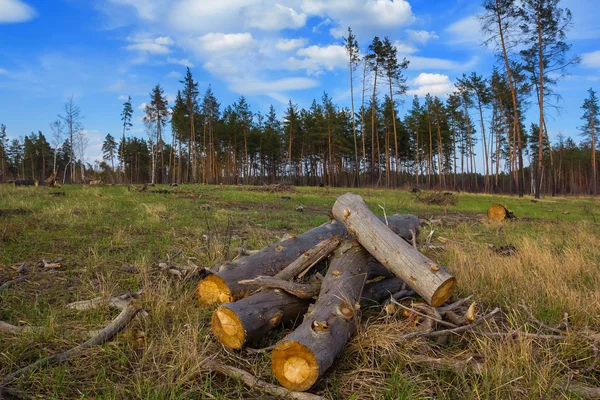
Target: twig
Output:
[(384, 215), (439, 321), (258, 384), (446, 332), (592, 366), (119, 302), (454, 305), (540, 323), (515, 334), (260, 351), (106, 334)]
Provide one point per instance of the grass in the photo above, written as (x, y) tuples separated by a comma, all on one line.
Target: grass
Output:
[(99, 232)]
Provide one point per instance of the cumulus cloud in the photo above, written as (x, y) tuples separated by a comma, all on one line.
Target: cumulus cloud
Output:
[(224, 43), (184, 61), (158, 45), (142, 106), (274, 86), (273, 17), (13, 11), (174, 74), (591, 60), (434, 84), (403, 48), (146, 9), (316, 59), (123, 97), (361, 14), (422, 36), (290, 44)]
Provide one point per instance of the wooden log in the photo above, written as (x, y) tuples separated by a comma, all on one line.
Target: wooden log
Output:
[(26, 182), (235, 324), (223, 287), (375, 293), (301, 290), (425, 277), (306, 353)]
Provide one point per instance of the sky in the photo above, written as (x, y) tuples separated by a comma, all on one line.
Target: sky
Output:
[(270, 51)]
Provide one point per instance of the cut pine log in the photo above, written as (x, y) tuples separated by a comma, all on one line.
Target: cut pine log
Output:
[(306, 353), (249, 319), (498, 212), (224, 286), (425, 277)]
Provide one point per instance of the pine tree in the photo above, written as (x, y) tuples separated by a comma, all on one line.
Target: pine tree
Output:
[(190, 94), (126, 119), (3, 142), (353, 51), (591, 116), (157, 112), (108, 151)]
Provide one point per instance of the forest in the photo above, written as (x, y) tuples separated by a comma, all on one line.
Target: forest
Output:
[(476, 139)]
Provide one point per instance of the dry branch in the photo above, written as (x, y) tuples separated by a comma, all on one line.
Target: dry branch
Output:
[(8, 284), (119, 302), (257, 384), (106, 334), (428, 279)]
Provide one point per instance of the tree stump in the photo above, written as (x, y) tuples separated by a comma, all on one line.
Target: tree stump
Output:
[(432, 282), (498, 212)]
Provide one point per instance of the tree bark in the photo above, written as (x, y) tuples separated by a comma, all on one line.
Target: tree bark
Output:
[(424, 276), (223, 287), (304, 355)]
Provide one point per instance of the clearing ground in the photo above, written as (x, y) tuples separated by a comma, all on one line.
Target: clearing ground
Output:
[(110, 241)]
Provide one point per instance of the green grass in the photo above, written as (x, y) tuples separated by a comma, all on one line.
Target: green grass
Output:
[(98, 231)]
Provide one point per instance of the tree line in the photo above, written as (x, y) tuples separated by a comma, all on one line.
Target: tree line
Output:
[(438, 143)]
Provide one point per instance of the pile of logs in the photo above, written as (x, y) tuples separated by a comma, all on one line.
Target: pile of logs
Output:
[(370, 259)]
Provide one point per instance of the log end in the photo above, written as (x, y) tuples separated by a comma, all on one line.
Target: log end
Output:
[(294, 365), (228, 328), (212, 290), (443, 292)]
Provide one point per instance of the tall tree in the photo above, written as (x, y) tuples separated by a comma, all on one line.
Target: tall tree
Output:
[(126, 119), (591, 117), (109, 146), (397, 85), (500, 22), (544, 34), (190, 93), (72, 118), (3, 142), (353, 51), (157, 112), (376, 59)]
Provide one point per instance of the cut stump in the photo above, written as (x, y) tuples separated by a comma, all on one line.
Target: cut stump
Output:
[(498, 212)]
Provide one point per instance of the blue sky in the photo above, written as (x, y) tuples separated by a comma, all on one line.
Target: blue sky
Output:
[(100, 51)]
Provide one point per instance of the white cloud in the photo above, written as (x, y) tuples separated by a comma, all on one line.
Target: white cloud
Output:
[(421, 36), (290, 44), (146, 9), (185, 62), (466, 30), (434, 84), (591, 60), (224, 43), (123, 97), (316, 59), (3, 71), (404, 48), (174, 74), (158, 45), (142, 106), (273, 17), (118, 86), (361, 14), (13, 11)]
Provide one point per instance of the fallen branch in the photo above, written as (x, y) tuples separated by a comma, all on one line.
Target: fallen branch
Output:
[(446, 332), (119, 302), (587, 392), (258, 384), (15, 330), (412, 310), (106, 334), (454, 306), (49, 265), (300, 290)]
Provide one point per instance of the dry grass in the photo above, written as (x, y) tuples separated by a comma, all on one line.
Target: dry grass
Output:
[(98, 231)]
